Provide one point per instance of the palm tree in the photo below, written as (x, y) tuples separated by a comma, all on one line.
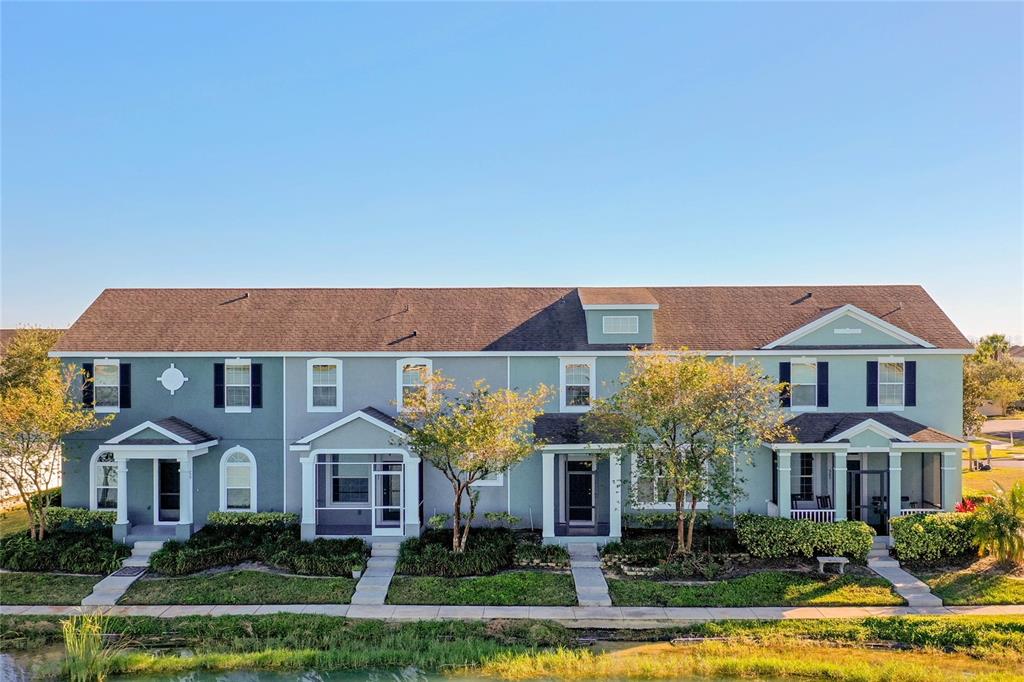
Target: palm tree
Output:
[(999, 526)]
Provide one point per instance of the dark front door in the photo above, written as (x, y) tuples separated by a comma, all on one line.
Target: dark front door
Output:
[(867, 496), (579, 484), (853, 490), (168, 491)]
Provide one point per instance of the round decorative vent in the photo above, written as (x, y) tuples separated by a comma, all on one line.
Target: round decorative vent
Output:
[(172, 379)]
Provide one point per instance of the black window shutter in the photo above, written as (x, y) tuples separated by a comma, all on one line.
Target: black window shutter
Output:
[(910, 383), (87, 384), (257, 384), (126, 385), (218, 384), (872, 383), (784, 376), (822, 384)]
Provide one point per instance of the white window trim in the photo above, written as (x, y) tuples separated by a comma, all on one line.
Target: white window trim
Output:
[(635, 322), (93, 461), (224, 479), (878, 385), (400, 367), (106, 409), (634, 476), (562, 363), (803, 408), (310, 407), (241, 409), (496, 482)]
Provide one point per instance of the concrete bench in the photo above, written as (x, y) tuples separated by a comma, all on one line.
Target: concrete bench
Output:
[(840, 561)]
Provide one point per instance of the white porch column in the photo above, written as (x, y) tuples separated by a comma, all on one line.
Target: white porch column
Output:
[(185, 481), (839, 484), (785, 484), (895, 483), (951, 478), (308, 490), (411, 472), (615, 495), (548, 492), (122, 490)]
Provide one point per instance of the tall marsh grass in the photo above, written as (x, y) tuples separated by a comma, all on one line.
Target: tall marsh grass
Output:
[(86, 658)]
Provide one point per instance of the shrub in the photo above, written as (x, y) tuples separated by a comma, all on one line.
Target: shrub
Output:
[(770, 537), (62, 551), (999, 526), (528, 553), (438, 521), (502, 519), (253, 519), (76, 520), (490, 550), (643, 552), (931, 537), (664, 520)]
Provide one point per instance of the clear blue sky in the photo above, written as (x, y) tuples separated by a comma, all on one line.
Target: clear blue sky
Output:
[(372, 145)]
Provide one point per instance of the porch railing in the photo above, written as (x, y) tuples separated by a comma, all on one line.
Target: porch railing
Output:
[(911, 512), (817, 515)]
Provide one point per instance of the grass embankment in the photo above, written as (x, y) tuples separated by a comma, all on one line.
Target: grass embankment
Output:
[(45, 588), (988, 482), (241, 587), (727, 660), (770, 588), (515, 588), (13, 520), (983, 582), (991, 646)]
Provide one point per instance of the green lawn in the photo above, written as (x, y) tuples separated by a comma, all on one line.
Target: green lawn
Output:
[(770, 588), (515, 588), (45, 588), (991, 586), (13, 521), (241, 587), (986, 481)]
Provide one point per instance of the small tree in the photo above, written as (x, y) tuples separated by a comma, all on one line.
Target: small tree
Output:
[(992, 347), (999, 526), (38, 409), (470, 436), (974, 397), (686, 417)]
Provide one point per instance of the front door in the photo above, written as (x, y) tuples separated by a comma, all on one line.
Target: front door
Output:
[(168, 491), (579, 488), (387, 498)]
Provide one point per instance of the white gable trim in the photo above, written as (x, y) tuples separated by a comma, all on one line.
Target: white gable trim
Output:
[(148, 425), (868, 425), (358, 414), (855, 312)]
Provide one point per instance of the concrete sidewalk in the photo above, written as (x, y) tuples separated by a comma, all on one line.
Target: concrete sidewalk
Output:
[(572, 616)]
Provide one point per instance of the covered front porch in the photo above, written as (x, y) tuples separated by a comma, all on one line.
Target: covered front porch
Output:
[(869, 471), (582, 493)]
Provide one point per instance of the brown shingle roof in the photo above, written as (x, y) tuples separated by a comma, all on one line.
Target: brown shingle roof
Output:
[(818, 427), (616, 296), (469, 319)]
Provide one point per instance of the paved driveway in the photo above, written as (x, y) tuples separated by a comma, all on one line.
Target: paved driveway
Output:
[(1003, 427)]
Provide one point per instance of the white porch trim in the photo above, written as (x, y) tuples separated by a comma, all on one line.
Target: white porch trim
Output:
[(304, 444), (857, 313)]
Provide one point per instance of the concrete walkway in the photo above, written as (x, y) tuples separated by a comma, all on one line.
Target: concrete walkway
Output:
[(372, 587), (572, 616), (907, 586), (107, 591), (591, 587)]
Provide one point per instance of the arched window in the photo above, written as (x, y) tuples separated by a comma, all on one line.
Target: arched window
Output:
[(104, 481), (238, 480), (412, 378)]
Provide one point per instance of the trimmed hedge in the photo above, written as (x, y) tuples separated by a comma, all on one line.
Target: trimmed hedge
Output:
[(76, 552), (532, 553), (648, 552), (489, 550), (77, 520), (253, 519), (228, 545), (931, 537), (771, 537)]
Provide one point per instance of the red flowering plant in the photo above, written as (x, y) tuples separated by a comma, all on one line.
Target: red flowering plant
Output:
[(965, 506)]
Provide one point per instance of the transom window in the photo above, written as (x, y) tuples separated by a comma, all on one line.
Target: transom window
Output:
[(105, 477), (237, 385), (106, 385), (890, 384), (412, 379), (238, 481), (803, 385), (620, 324), (577, 392), (324, 381)]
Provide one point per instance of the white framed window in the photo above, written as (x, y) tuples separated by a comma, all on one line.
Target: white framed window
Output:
[(323, 385), (803, 384), (651, 489), (891, 383), (238, 480), (104, 481), (238, 385), (620, 324), (350, 483), (491, 480), (106, 385), (412, 378), (578, 384)]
